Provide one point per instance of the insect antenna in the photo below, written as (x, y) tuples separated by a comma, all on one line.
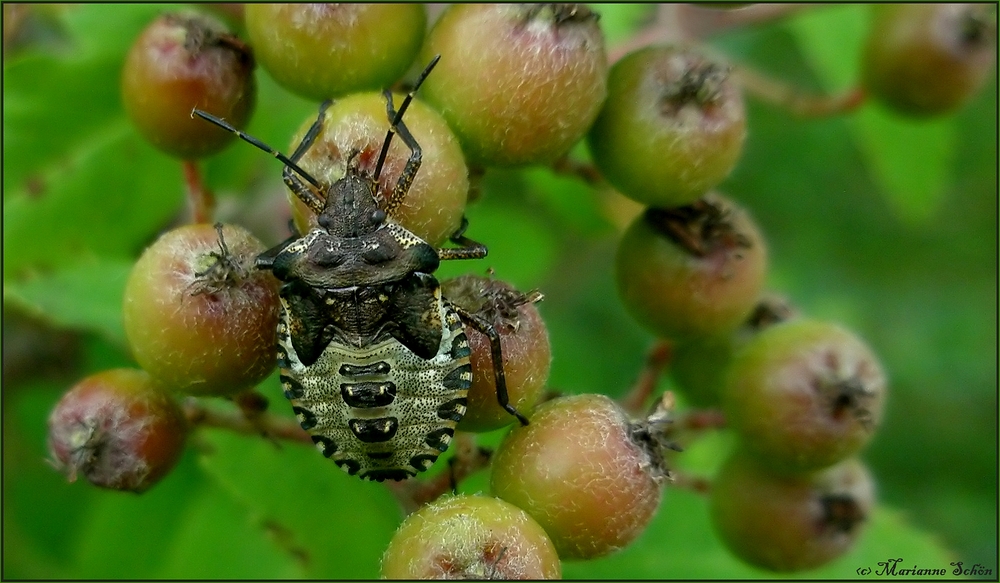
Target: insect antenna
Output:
[(399, 114), (259, 144)]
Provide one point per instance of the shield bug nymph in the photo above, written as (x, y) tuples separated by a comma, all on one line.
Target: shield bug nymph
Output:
[(373, 357)]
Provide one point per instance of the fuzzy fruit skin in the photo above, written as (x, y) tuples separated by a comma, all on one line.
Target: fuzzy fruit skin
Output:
[(780, 396), (117, 430), (920, 61), (320, 51), (517, 87), (214, 343), (789, 523), (433, 207), (666, 152), (181, 62), (470, 537), (576, 471), (680, 296), (524, 341)]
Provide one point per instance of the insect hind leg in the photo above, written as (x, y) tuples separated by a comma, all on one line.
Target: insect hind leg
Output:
[(482, 325)]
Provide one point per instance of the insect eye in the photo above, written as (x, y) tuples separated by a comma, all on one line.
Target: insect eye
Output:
[(378, 216)]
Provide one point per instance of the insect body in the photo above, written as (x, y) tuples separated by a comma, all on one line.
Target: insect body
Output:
[(373, 358)]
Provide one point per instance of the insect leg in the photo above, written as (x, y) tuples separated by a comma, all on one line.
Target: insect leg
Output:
[(467, 248), (302, 190), (314, 130), (412, 164), (396, 126), (480, 324)]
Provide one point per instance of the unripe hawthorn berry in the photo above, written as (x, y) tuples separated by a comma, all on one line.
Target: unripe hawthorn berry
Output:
[(524, 342), (470, 537), (587, 474), (198, 316), (699, 366), (320, 51), (789, 523), (804, 395), (519, 83), (693, 271), (357, 125), (929, 59), (181, 62), (117, 430), (672, 127)]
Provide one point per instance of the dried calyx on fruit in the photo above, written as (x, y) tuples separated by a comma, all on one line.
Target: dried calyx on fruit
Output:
[(693, 271), (117, 430), (198, 318), (804, 394), (588, 474), (180, 62), (789, 523), (929, 59), (672, 127), (470, 537)]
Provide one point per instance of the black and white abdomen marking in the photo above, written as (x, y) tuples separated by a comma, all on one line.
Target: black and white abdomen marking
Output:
[(380, 411)]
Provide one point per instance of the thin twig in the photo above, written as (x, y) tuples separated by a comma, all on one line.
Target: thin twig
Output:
[(569, 167), (699, 420), (200, 198), (701, 22), (795, 100), (687, 23), (272, 426), (634, 402), (697, 484)]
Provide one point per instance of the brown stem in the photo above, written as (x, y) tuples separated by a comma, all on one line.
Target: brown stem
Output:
[(201, 199), (702, 22), (697, 484), (476, 175), (468, 458), (634, 402), (272, 426), (700, 420), (686, 23), (587, 172), (793, 99)]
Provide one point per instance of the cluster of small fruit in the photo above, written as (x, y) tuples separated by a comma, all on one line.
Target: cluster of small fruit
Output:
[(198, 318), (801, 395)]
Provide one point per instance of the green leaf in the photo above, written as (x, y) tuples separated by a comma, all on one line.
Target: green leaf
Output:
[(910, 160), (107, 201), (618, 21), (336, 525), (86, 296), (56, 104)]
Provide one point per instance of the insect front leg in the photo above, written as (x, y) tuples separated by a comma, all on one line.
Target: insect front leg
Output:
[(310, 138), (480, 324), (412, 164)]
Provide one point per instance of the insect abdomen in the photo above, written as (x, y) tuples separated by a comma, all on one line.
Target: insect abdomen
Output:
[(381, 412)]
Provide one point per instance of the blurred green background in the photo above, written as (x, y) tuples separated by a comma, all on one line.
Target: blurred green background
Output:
[(886, 225)]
